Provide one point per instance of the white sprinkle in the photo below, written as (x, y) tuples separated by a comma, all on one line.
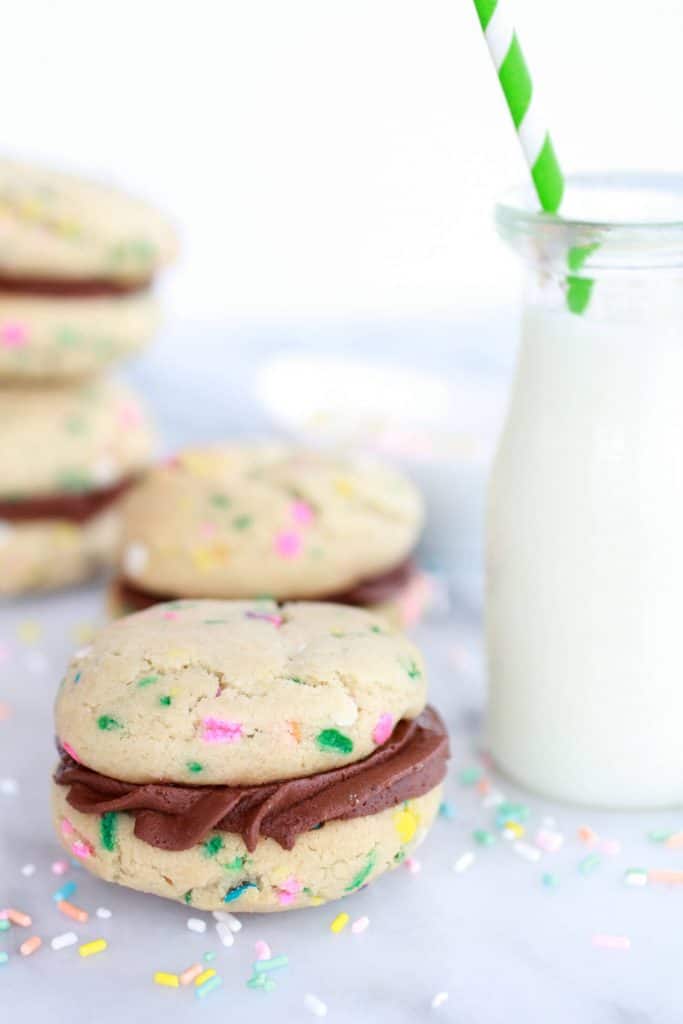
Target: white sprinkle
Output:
[(82, 652), (360, 925), (224, 933), (549, 840), (104, 471), (636, 877), (621, 942), (135, 558), (439, 999), (9, 787), (195, 924), (493, 799), (348, 714), (464, 861), (28, 870), (413, 865), (233, 923), (317, 1007), (527, 851), (103, 913), (64, 940)]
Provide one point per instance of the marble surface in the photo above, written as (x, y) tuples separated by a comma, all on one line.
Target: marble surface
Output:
[(502, 944)]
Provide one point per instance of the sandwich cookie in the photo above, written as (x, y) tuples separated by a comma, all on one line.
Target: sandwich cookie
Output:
[(246, 520), (270, 756)]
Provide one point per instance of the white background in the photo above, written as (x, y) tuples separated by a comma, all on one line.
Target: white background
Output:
[(332, 157)]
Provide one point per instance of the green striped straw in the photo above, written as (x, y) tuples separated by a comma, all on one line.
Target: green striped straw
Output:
[(539, 152)]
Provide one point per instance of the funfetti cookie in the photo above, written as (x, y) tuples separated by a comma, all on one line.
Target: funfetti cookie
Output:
[(67, 455), (246, 520), (248, 753), (77, 262)]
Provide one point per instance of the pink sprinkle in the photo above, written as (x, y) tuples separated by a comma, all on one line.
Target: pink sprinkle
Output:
[(360, 925), (67, 827), (60, 867), (218, 730), (612, 847), (302, 513), (383, 729), (287, 544), (82, 849), (262, 950), (288, 891), (548, 840), (130, 415), (70, 751), (413, 865), (276, 620), (612, 942), (13, 334), (207, 530), (171, 616)]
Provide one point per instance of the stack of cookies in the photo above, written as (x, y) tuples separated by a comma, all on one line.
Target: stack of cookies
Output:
[(77, 261)]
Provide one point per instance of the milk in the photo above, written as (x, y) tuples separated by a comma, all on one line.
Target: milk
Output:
[(585, 554)]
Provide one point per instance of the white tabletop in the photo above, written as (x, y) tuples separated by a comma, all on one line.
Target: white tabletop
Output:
[(503, 945)]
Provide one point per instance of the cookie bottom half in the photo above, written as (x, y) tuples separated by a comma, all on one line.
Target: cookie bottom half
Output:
[(325, 864), (46, 554)]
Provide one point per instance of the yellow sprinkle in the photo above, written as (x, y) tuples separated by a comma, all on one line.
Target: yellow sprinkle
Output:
[(204, 976), (66, 535), (317, 901), (29, 631), (170, 980), (90, 948), (339, 924), (83, 632), (344, 487), (406, 823), (514, 828)]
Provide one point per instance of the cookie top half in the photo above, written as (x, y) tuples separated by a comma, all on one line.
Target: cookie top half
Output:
[(235, 692), (58, 226), (247, 520), (71, 439)]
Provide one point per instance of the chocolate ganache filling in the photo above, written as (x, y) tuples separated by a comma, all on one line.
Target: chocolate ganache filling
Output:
[(76, 507), (375, 590), (66, 288), (175, 817)]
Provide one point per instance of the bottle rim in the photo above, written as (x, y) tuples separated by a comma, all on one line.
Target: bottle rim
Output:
[(624, 219)]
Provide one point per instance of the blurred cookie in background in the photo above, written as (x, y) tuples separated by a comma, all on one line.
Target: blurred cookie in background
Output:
[(77, 265), (67, 455), (251, 520)]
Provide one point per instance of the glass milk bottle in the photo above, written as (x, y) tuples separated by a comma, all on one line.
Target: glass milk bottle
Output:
[(584, 607)]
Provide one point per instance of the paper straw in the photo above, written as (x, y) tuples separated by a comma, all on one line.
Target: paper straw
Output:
[(518, 89)]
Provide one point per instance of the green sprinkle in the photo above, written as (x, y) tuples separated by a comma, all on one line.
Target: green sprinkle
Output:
[(511, 812), (108, 722), (147, 681), (210, 955), (660, 835), (165, 701), (410, 666), (236, 864), (67, 336), (578, 293), (214, 622), (483, 837), (220, 500), (400, 856), (364, 872), (589, 864), (375, 629), (194, 766), (188, 896), (4, 957), (73, 481), (550, 880), (332, 739), (242, 522), (108, 826), (470, 776), (212, 846), (297, 680), (4, 924), (75, 425), (578, 254)]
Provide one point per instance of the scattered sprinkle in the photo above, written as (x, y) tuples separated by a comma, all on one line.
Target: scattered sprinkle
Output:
[(316, 1006), (28, 870), (103, 913), (665, 876), (588, 836), (439, 999), (332, 739), (621, 942), (274, 963), (82, 849), (262, 950), (224, 933), (209, 972), (168, 980), (590, 864), (91, 948), (483, 837), (190, 973), (548, 840), (29, 946), (464, 862), (635, 876), (339, 924), (195, 924), (413, 865), (527, 851), (470, 775), (360, 925), (237, 890), (208, 986), (550, 880), (60, 867), (17, 917), (383, 728), (3, 958), (75, 913), (233, 923), (216, 730), (64, 940), (446, 810)]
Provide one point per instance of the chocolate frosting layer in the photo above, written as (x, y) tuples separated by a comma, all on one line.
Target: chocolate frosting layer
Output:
[(66, 288), (375, 590), (173, 817), (77, 507)]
